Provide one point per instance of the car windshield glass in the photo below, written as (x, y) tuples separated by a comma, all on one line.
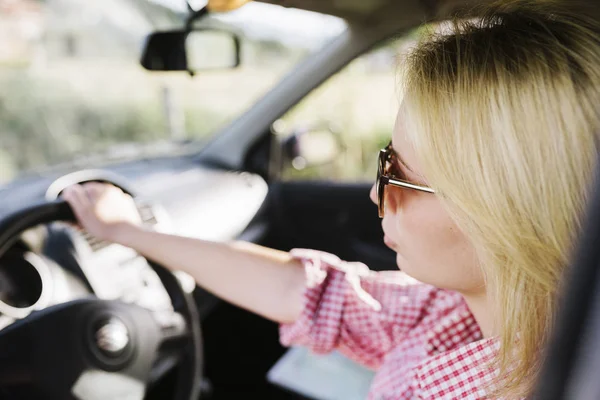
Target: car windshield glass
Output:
[(72, 90)]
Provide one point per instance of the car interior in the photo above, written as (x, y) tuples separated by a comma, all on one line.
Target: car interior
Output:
[(86, 319)]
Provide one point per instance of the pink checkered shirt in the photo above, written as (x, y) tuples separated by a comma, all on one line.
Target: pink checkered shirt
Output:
[(423, 341)]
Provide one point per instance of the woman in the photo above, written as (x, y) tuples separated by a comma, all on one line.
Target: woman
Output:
[(482, 192)]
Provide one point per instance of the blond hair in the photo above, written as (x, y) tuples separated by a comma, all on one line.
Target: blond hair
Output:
[(503, 115)]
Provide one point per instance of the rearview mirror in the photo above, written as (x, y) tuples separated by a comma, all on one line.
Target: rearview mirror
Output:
[(193, 51)]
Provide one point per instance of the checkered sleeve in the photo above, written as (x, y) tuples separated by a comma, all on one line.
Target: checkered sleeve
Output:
[(362, 313)]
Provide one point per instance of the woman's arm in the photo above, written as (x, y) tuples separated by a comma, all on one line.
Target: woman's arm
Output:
[(262, 280)]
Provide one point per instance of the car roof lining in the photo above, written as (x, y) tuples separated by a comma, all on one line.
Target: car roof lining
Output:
[(377, 11)]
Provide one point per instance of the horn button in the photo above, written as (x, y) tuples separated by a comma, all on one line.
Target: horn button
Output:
[(110, 342)]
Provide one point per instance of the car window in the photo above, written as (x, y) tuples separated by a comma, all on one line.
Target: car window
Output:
[(336, 131), (72, 89)]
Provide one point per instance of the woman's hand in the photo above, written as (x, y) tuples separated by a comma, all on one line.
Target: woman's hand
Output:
[(102, 210)]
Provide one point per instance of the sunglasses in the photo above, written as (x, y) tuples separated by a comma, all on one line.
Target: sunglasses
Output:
[(389, 174)]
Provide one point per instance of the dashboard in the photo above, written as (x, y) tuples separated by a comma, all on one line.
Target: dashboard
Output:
[(59, 262)]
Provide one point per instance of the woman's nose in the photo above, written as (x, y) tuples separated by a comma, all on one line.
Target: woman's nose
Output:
[(373, 193)]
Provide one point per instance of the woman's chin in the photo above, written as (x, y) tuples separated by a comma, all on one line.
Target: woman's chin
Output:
[(406, 267), (400, 262)]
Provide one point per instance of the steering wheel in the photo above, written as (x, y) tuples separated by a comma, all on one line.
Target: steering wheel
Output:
[(90, 348)]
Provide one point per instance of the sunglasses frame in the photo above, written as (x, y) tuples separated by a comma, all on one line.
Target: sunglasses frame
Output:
[(384, 179)]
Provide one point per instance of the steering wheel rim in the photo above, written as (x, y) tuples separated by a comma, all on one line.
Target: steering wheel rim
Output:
[(190, 364)]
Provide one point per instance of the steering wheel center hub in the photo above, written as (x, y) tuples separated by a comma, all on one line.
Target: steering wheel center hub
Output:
[(112, 337), (110, 341)]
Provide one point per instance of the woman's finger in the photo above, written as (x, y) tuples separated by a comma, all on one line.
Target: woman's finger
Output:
[(79, 202), (72, 198), (79, 193), (94, 191), (96, 186)]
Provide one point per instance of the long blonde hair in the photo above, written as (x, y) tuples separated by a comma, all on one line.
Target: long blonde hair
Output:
[(503, 115)]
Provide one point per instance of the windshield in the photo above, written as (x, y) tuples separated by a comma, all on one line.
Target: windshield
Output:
[(72, 90)]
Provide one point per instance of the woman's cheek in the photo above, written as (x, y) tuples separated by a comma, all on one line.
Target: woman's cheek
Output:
[(413, 220), (420, 233), (394, 199)]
